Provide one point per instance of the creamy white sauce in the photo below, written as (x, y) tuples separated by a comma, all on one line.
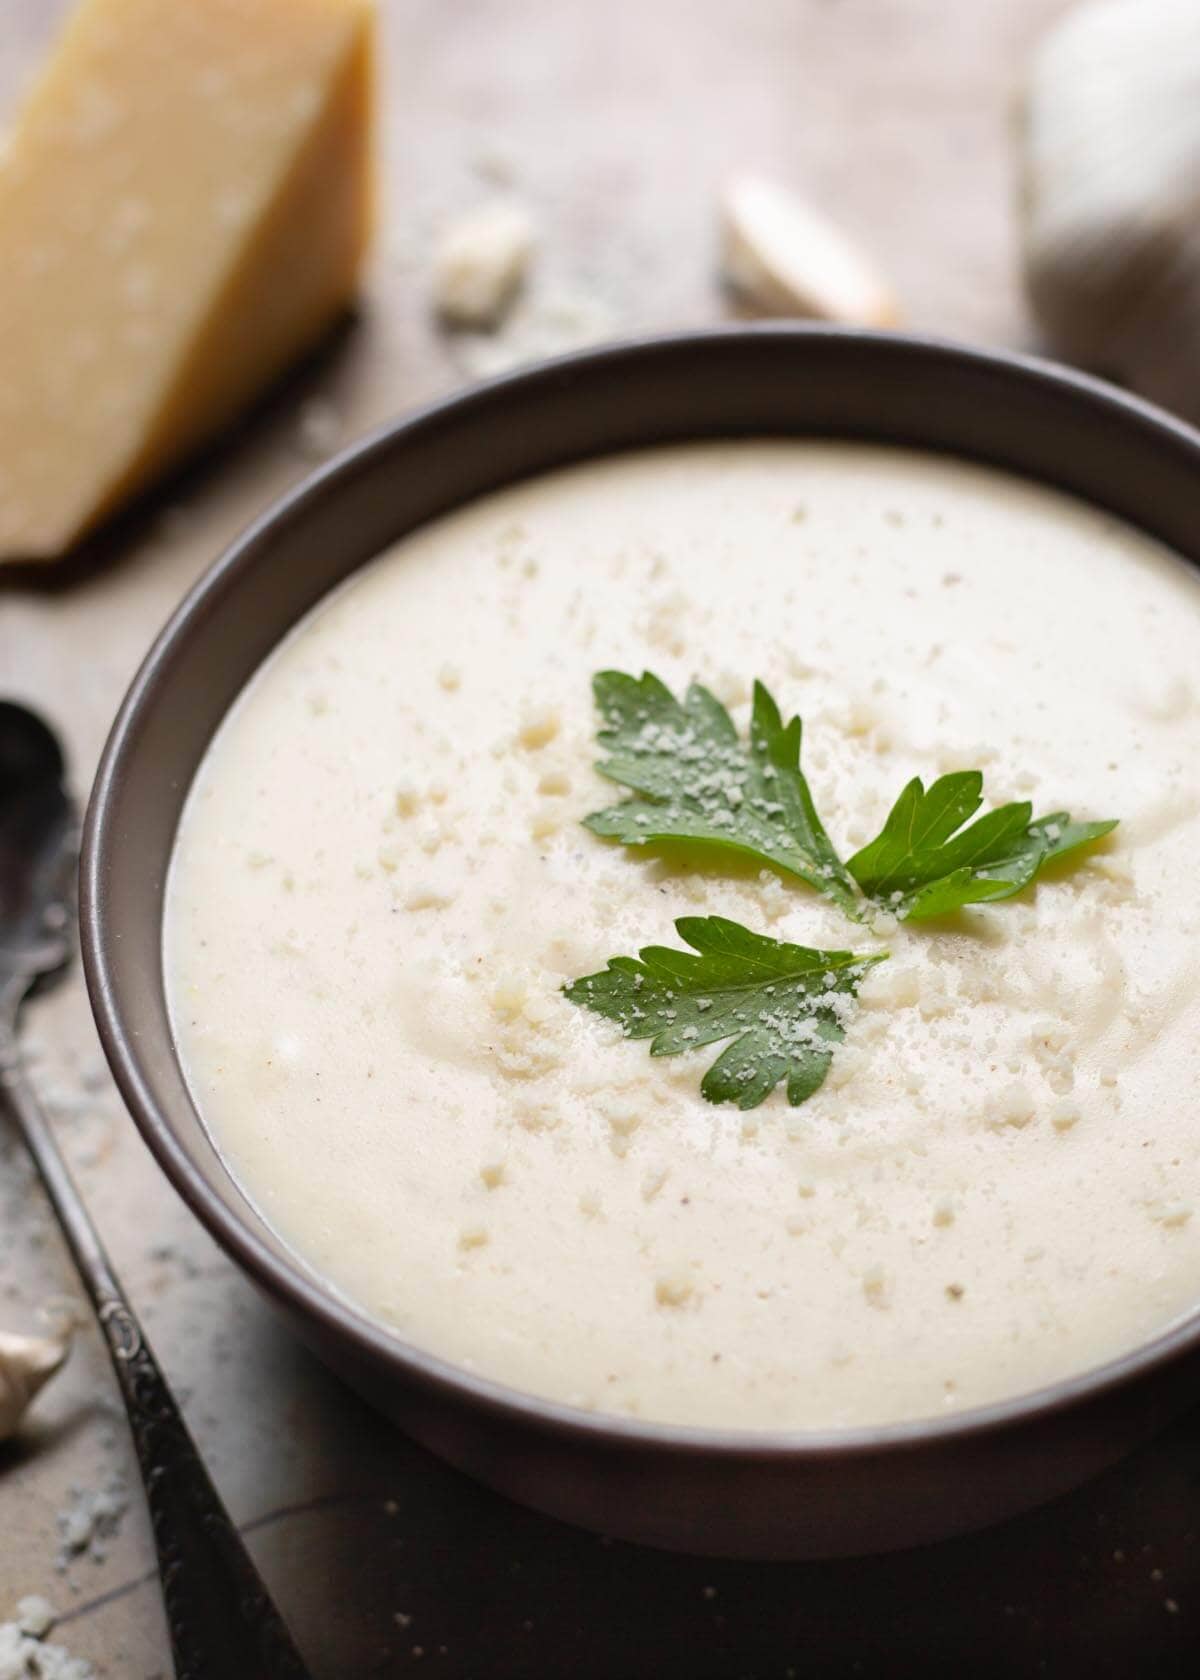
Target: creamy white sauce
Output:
[(381, 884)]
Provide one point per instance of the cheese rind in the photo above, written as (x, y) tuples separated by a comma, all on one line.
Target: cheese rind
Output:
[(184, 207)]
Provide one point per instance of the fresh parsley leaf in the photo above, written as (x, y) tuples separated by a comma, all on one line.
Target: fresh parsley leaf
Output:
[(694, 781), (924, 863), (784, 1006)]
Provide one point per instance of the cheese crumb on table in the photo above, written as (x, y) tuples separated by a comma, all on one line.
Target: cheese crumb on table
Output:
[(35, 1616), (480, 264), (23, 1656)]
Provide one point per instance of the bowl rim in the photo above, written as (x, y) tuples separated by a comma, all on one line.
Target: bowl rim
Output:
[(287, 1277)]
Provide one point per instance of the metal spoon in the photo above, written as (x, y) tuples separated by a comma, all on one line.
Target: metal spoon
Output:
[(222, 1622)]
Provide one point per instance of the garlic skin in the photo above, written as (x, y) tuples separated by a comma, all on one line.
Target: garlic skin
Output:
[(1110, 208), (782, 257), (26, 1365)]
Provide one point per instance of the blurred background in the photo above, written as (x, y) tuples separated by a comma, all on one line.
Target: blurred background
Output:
[(614, 130)]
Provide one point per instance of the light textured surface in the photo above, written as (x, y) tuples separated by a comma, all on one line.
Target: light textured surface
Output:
[(615, 123)]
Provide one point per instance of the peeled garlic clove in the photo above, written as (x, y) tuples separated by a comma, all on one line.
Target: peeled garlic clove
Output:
[(480, 263), (26, 1365), (785, 258), (1111, 193)]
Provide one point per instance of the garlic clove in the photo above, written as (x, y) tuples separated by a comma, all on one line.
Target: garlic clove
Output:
[(26, 1365), (480, 264), (783, 257), (1110, 210)]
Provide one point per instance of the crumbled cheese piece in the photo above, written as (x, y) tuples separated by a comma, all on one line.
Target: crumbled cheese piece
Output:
[(480, 264), (1013, 1106), (508, 996), (539, 1007), (535, 1115), (544, 823), (590, 1205), (473, 1236), (35, 1616), (554, 782), (1173, 1214), (876, 1287), (539, 726), (891, 986), (407, 799), (933, 997), (859, 718), (1050, 1042), (776, 901), (494, 1174), (449, 678), (674, 1287), (623, 1113), (845, 1065), (90, 1519), (23, 1657), (426, 896), (653, 1182), (943, 1211), (1064, 1114), (525, 1054)]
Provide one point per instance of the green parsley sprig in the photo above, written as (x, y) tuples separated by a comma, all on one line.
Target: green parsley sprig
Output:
[(924, 863), (784, 1006), (694, 781), (697, 782)]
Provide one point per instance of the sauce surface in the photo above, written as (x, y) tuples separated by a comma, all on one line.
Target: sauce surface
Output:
[(381, 884)]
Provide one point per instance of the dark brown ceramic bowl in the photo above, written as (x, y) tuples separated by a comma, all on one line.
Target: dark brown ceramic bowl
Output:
[(716, 1491)]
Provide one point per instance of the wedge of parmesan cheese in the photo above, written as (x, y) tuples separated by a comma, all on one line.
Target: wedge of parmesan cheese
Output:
[(184, 206)]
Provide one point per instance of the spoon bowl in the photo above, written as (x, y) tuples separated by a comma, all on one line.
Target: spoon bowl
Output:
[(38, 847)]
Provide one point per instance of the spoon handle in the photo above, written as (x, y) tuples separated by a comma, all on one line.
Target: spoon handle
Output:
[(222, 1621)]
